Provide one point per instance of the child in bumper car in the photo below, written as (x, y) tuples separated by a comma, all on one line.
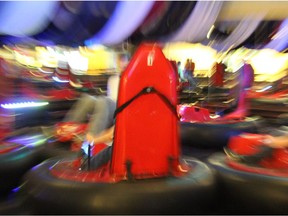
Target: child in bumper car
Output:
[(99, 112)]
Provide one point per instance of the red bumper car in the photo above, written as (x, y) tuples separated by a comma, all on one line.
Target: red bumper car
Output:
[(253, 175), (146, 174)]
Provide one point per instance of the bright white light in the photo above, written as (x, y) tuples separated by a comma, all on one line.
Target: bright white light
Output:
[(85, 146), (23, 105), (46, 72), (76, 61), (59, 80), (269, 61), (203, 56), (264, 89), (210, 31)]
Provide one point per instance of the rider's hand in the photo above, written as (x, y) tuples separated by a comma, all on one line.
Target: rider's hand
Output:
[(103, 137), (276, 142), (90, 138)]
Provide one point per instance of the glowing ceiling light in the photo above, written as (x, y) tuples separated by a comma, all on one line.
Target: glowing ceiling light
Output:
[(21, 18), (241, 32), (126, 18), (204, 14), (280, 39)]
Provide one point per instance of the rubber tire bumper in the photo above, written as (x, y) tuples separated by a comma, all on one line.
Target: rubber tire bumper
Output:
[(249, 193), (216, 136), (56, 149), (13, 205), (191, 194), (14, 165)]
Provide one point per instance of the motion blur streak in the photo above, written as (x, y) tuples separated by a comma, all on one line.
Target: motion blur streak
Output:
[(189, 31), (20, 18), (125, 20), (280, 40)]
